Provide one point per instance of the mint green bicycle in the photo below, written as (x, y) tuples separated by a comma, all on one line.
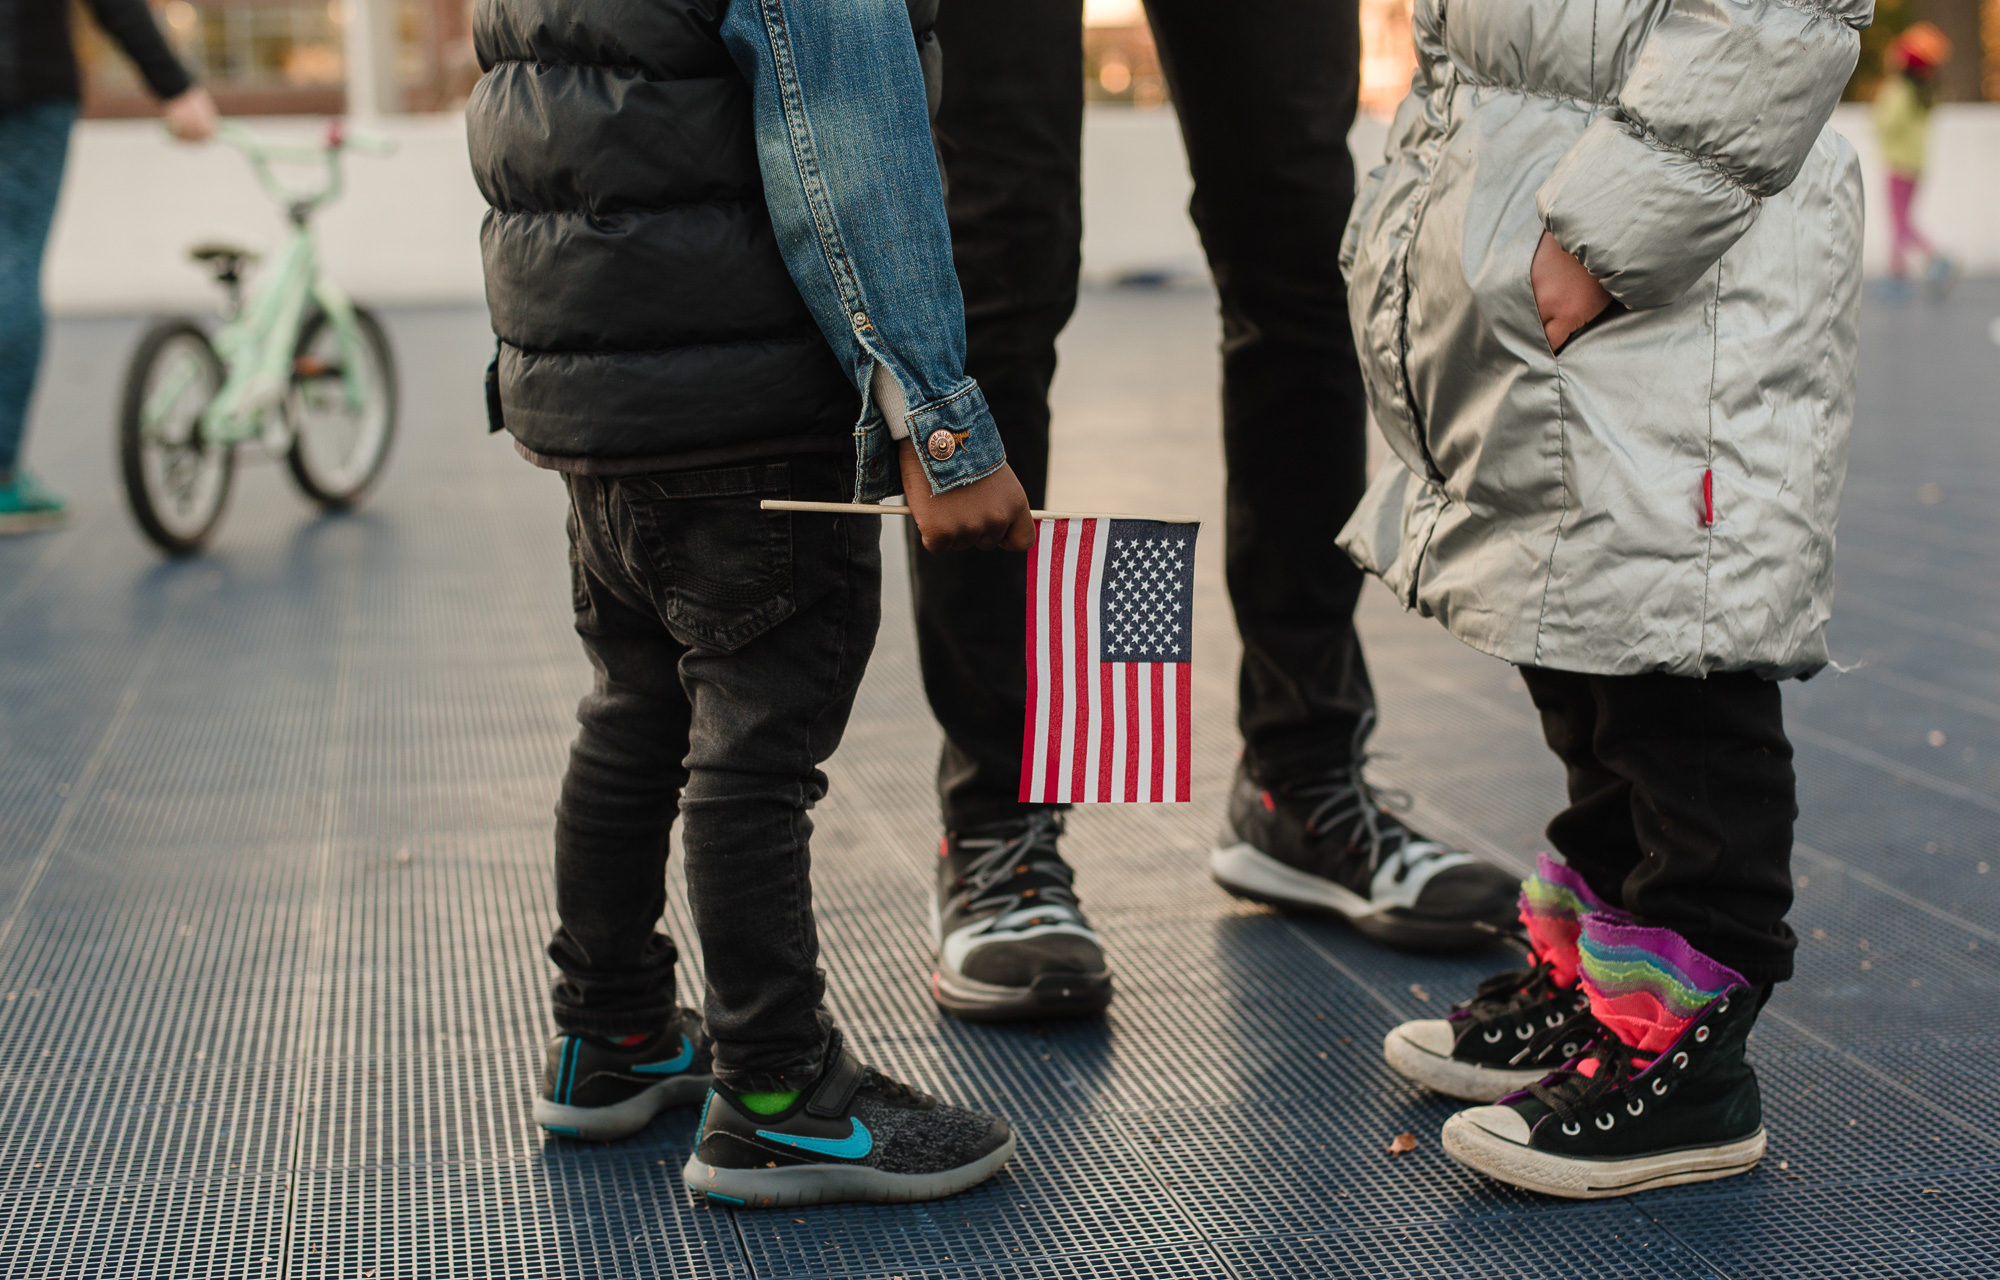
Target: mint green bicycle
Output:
[(298, 368)]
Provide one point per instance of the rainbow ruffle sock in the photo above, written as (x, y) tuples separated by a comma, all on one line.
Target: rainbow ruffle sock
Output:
[(1647, 984), (1554, 903)]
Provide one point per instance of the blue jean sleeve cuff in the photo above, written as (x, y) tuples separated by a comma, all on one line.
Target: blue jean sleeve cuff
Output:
[(976, 450)]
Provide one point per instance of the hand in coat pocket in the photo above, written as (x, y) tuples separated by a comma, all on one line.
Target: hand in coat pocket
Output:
[(1567, 296)]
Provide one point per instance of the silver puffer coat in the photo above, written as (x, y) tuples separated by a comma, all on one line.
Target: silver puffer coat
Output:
[(1661, 496)]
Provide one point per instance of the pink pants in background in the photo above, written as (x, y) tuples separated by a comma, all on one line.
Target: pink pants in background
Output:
[(1904, 235)]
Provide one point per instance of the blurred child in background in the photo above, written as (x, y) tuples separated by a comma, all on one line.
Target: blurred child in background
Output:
[(1903, 125)]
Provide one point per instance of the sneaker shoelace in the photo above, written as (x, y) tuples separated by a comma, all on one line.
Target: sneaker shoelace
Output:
[(1577, 1096), (1504, 991), (1346, 801), (993, 879), (1509, 994)]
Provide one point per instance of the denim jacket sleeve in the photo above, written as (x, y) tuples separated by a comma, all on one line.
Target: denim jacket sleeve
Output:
[(844, 144)]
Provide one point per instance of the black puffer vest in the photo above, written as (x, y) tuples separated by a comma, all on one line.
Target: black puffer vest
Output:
[(645, 317)]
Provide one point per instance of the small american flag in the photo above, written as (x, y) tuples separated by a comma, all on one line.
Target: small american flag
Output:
[(1110, 636)]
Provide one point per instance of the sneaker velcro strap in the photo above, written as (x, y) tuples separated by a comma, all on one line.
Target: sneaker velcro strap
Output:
[(835, 1090)]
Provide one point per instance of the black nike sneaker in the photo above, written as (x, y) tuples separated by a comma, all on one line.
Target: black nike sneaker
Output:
[(603, 1089), (1011, 940), (1616, 1121), (854, 1135), (1514, 1031), (1326, 846)]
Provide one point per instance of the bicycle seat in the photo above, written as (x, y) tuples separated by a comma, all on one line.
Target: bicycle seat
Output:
[(221, 253)]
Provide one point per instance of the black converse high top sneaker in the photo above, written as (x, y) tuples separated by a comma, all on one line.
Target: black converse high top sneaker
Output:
[(1517, 1028), (1616, 1121)]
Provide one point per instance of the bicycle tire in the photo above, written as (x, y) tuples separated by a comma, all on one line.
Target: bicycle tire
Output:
[(338, 484), (147, 465)]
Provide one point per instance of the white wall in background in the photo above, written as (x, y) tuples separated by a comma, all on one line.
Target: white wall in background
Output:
[(406, 231), (1958, 203), (408, 228)]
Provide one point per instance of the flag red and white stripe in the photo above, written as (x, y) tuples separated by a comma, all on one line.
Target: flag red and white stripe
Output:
[(1109, 642)]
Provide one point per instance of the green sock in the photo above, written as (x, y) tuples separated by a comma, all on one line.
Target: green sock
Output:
[(768, 1104)]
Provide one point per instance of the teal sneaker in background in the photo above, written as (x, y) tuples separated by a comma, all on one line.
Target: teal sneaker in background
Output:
[(25, 505)]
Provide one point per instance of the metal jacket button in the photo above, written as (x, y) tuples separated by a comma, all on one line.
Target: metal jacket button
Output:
[(941, 444)]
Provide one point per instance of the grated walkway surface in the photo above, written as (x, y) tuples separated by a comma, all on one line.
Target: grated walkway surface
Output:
[(274, 827)]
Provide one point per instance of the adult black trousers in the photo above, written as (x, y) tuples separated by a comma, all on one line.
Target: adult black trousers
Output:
[(1681, 804), (1265, 92)]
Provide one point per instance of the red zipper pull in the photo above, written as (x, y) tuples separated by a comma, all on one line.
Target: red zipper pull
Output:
[(1707, 498)]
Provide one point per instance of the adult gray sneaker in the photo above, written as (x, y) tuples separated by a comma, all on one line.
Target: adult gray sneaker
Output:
[(1327, 846)]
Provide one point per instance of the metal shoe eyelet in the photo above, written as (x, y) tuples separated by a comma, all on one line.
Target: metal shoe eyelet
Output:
[(1572, 1128), (1660, 1088), (1493, 1036), (1635, 1106), (1681, 1061), (1526, 1031), (1701, 1035), (1552, 1020), (1606, 1120), (1724, 1006), (1569, 1049)]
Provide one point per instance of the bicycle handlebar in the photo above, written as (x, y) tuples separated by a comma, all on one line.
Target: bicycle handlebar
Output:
[(262, 154)]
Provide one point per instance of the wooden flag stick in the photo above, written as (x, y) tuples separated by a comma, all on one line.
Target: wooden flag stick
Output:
[(875, 509)]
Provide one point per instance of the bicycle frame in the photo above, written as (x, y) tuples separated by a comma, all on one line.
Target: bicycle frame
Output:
[(258, 347)]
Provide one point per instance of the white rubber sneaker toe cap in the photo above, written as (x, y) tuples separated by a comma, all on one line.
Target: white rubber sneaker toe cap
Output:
[(1504, 1123)]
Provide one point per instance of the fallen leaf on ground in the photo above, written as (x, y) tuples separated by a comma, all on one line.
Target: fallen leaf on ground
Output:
[(1402, 1142)]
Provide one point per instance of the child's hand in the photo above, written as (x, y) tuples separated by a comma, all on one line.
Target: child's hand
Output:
[(1567, 296), (988, 513)]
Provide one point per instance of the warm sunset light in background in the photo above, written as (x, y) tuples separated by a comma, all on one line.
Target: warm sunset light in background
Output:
[(1122, 67)]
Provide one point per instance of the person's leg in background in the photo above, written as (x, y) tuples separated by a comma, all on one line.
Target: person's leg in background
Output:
[(1903, 233), (1699, 773), (1010, 130), (34, 145), (1266, 93)]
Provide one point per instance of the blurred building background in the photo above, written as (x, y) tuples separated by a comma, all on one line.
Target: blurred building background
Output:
[(281, 57), (407, 230)]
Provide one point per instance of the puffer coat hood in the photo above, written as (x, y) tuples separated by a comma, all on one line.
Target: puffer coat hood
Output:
[(644, 312), (1661, 496)]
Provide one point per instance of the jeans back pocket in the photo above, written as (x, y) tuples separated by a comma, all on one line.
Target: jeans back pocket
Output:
[(719, 569)]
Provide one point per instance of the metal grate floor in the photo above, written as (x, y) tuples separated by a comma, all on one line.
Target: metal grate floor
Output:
[(273, 835)]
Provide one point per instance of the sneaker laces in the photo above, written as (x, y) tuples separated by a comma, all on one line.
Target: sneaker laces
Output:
[(1346, 800), (1514, 986), (1509, 994), (1029, 852), (1574, 1094)]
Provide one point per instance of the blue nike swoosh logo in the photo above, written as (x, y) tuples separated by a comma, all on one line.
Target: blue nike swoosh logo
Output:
[(681, 1063), (854, 1146)]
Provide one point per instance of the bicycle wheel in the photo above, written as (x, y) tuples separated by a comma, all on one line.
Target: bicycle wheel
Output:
[(175, 482), (338, 449)]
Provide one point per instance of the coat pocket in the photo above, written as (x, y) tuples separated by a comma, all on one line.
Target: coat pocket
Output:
[(719, 569)]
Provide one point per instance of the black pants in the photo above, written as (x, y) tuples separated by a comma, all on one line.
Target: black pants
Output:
[(1682, 800), (1265, 90), (728, 644)]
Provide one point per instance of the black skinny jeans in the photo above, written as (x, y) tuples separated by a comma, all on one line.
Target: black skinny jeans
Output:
[(1265, 90), (1682, 800), (728, 643)]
